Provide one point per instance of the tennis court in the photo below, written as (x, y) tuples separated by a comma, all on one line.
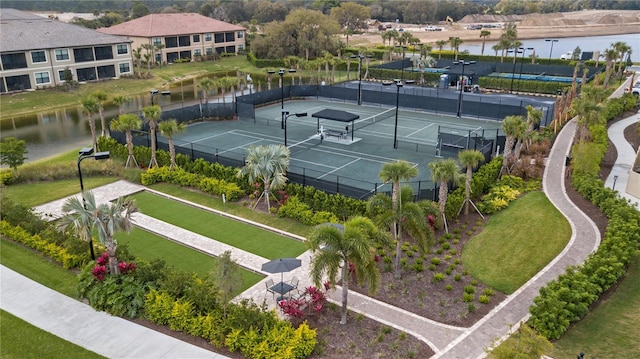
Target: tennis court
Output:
[(346, 154)]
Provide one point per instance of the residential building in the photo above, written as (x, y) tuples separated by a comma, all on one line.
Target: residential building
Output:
[(180, 36), (36, 51)]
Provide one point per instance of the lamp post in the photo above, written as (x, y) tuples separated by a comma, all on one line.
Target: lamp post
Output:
[(550, 51), (154, 92), (359, 57), (463, 63), (286, 115), (87, 152), (399, 83), (513, 71), (404, 48), (615, 178), (281, 73), (521, 64)]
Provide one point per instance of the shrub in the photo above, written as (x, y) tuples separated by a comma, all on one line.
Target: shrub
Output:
[(469, 289), (484, 299), (468, 297), (438, 277)]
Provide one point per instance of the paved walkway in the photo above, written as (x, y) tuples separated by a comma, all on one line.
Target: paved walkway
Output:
[(80, 324)]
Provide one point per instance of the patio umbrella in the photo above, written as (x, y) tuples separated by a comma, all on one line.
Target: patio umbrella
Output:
[(281, 265)]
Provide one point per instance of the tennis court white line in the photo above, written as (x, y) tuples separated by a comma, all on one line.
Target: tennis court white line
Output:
[(240, 147), (311, 162), (341, 167), (416, 131), (208, 137)]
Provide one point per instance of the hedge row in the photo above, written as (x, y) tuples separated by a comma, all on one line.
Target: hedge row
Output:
[(567, 299), (246, 328), (35, 241), (183, 178)]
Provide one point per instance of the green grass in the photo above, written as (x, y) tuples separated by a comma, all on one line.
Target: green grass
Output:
[(612, 329), (240, 235), (516, 243), (149, 246), (35, 194), (236, 209), (33, 265), (21, 340)]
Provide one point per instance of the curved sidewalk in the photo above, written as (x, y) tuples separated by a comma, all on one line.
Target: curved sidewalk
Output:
[(625, 160)]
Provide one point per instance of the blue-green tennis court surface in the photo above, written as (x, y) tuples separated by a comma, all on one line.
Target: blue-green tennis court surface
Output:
[(346, 153)]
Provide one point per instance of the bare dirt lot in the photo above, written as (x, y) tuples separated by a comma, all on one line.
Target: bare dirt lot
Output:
[(533, 26)]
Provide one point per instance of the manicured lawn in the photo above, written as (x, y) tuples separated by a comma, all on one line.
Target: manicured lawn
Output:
[(35, 194), (149, 246), (240, 235), (236, 209), (21, 340), (612, 329), (516, 243), (33, 265)]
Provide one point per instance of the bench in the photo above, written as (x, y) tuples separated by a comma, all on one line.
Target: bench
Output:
[(335, 133)]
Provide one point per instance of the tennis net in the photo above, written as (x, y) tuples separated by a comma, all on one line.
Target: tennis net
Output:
[(373, 119)]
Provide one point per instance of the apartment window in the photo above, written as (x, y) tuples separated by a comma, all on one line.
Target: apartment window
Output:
[(240, 47), (106, 72), (219, 38), (197, 52), (207, 37), (158, 58), (196, 38), (86, 74), (170, 42), (122, 49), (124, 68), (62, 54), (209, 51), (18, 83), (229, 37), (240, 34), (104, 53), (14, 61), (42, 78), (38, 56), (83, 54), (184, 40), (61, 75), (157, 41)]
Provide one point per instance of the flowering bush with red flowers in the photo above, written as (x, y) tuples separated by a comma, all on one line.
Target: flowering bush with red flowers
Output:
[(103, 260), (99, 271), (313, 298), (126, 267)]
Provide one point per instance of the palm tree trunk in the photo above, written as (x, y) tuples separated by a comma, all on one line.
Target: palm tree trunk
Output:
[(153, 161), (102, 123), (266, 195), (442, 200), (345, 290), (172, 153), (92, 126), (467, 190), (111, 247), (131, 158)]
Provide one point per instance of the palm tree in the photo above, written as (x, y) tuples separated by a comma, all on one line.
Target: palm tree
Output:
[(101, 96), (395, 172), (151, 116), (609, 56), (149, 56), (408, 216), (120, 100), (484, 34), (512, 127), (421, 63), (158, 48), (82, 214), (443, 171), (470, 160), (589, 111), (90, 106), (137, 56), (622, 48), (206, 84), (337, 246), (127, 123), (440, 44), (169, 128), (455, 46), (534, 116), (267, 164)]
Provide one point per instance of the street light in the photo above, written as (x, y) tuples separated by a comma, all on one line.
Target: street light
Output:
[(522, 63), (286, 115), (513, 71), (615, 178), (360, 57), (87, 152), (154, 92), (463, 63), (399, 83), (550, 51), (281, 73)]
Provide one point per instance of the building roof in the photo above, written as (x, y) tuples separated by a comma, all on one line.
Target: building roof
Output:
[(22, 31), (170, 25)]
